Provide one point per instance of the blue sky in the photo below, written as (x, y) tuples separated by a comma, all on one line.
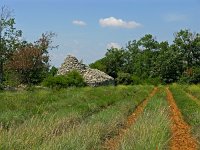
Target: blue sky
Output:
[(86, 28)]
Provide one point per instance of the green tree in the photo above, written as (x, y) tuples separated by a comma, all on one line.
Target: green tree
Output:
[(9, 37), (53, 71), (31, 60), (99, 64), (115, 61), (145, 60), (187, 44), (168, 64)]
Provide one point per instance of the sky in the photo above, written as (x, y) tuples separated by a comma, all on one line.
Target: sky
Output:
[(87, 28)]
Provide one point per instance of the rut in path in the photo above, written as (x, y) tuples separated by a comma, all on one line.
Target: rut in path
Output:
[(181, 138), (113, 143)]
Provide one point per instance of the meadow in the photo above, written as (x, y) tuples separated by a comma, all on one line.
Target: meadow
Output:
[(114, 117)]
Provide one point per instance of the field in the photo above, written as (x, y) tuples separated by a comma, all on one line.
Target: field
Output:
[(140, 117)]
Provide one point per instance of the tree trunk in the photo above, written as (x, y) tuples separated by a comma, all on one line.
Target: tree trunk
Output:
[(1, 72)]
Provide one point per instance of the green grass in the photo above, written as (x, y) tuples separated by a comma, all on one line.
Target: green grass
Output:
[(77, 118), (16, 107), (193, 90), (189, 109), (152, 129)]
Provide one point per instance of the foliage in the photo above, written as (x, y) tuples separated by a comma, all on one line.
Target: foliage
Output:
[(146, 58), (192, 78), (9, 37), (53, 71), (99, 64), (1, 87), (30, 61), (73, 78), (152, 81), (123, 78), (11, 78), (136, 80)]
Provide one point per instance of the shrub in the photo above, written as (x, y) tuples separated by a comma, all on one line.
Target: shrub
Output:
[(75, 79), (1, 87), (192, 78), (123, 78), (136, 80), (72, 79), (152, 81)]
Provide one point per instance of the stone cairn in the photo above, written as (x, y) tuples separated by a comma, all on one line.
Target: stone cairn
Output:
[(93, 77)]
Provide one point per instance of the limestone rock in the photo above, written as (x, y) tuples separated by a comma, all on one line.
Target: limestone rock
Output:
[(93, 77)]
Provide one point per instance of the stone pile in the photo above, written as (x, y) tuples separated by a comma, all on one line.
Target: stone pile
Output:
[(93, 77)]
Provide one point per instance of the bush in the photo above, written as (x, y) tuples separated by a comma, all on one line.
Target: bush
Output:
[(1, 87), (72, 79), (152, 81), (136, 80), (193, 78), (123, 78)]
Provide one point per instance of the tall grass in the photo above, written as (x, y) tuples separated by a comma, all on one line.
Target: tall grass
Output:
[(68, 119), (194, 90), (152, 129), (16, 107)]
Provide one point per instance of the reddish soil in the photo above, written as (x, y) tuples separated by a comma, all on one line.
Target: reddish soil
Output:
[(181, 137), (113, 143)]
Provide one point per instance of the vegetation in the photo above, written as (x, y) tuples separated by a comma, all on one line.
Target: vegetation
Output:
[(65, 118), (149, 59), (9, 38), (189, 109), (72, 79), (143, 61), (20, 60), (152, 129)]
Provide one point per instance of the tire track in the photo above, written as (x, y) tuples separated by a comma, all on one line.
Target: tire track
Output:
[(181, 137), (113, 143)]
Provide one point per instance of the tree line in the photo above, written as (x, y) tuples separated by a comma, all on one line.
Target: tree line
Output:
[(147, 60), (142, 61)]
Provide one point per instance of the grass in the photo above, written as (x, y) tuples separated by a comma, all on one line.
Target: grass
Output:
[(16, 107), (152, 129), (68, 119), (189, 109), (194, 90)]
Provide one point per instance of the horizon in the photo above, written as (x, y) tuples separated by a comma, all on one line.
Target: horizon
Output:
[(85, 29)]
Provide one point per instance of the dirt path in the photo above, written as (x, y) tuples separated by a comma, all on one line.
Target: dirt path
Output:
[(181, 138), (113, 143), (193, 98)]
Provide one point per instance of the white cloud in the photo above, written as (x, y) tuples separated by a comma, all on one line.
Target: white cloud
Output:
[(175, 17), (113, 45), (113, 22), (79, 23)]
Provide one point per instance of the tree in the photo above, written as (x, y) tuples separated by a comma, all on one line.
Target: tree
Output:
[(31, 60), (115, 61), (168, 64), (145, 60), (187, 44), (99, 64), (9, 37)]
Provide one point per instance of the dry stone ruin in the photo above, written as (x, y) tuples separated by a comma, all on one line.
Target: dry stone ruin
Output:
[(93, 77)]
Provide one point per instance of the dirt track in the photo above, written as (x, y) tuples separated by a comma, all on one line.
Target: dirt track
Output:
[(181, 138), (113, 143)]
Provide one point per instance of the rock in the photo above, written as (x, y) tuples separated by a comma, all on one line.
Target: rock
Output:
[(93, 77)]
